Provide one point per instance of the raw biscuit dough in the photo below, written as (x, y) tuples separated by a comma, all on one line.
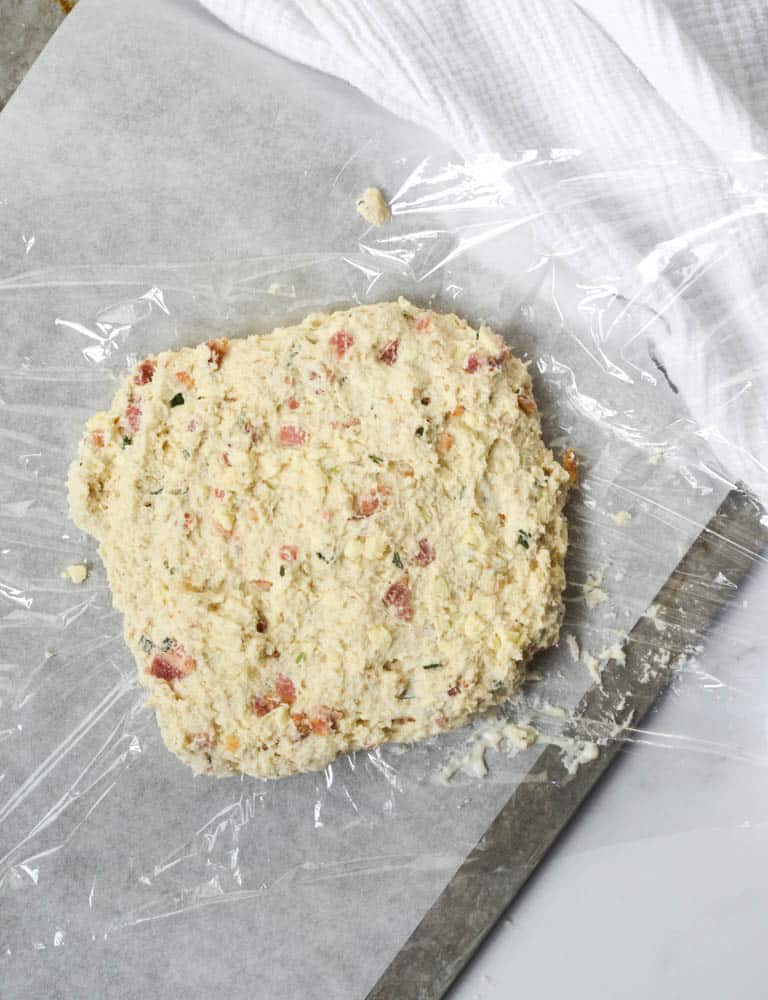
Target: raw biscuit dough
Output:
[(339, 534), (373, 207)]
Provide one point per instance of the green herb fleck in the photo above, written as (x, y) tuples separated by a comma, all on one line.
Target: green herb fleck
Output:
[(376, 459), (146, 644), (397, 560), (322, 557), (300, 657), (154, 493), (523, 538), (282, 571), (177, 400), (419, 432), (186, 453), (127, 441), (431, 666), (166, 644)]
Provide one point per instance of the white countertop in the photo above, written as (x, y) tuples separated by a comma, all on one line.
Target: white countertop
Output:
[(658, 888)]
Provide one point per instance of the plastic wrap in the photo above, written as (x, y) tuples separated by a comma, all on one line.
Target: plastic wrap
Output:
[(111, 851), (101, 829)]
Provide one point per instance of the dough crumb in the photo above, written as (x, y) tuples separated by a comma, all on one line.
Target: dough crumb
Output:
[(573, 647), (593, 592), (622, 517), (373, 207), (77, 573)]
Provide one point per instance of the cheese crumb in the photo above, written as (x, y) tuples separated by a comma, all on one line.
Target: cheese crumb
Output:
[(373, 207), (77, 572)]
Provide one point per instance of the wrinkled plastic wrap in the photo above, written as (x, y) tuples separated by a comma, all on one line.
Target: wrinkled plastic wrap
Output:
[(80, 749), (102, 830)]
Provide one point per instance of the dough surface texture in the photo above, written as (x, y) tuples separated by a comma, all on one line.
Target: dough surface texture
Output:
[(332, 536)]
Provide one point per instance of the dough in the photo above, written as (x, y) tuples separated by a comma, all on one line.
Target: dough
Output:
[(339, 534), (373, 207)]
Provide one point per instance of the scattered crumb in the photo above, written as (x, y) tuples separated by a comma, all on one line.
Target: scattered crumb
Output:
[(653, 614), (275, 288), (373, 207), (547, 708), (622, 517), (77, 572), (593, 665), (573, 647), (579, 752), (593, 592), (614, 652)]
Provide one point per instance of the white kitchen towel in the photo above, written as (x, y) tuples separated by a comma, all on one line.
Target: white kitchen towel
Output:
[(665, 103)]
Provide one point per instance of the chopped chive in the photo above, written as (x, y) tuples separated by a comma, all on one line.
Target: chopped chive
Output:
[(523, 538), (376, 459), (154, 493), (325, 559), (397, 560), (282, 571), (146, 643), (177, 400), (300, 657), (419, 432), (431, 666), (127, 440), (166, 644)]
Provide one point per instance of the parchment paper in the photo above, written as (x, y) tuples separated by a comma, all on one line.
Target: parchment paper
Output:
[(159, 178)]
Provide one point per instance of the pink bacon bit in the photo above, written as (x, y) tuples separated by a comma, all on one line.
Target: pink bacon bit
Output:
[(453, 691), (189, 521), (398, 598), (388, 355), (285, 689), (366, 504), (293, 403), (291, 436), (201, 741), (289, 553), (219, 493), (133, 417), (144, 373), (97, 439), (344, 425), (172, 665), (341, 343), (217, 350), (325, 720), (422, 322), (481, 362), (302, 724), (425, 555), (263, 705)]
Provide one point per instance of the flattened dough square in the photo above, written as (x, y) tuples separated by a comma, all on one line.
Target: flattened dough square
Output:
[(335, 535)]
